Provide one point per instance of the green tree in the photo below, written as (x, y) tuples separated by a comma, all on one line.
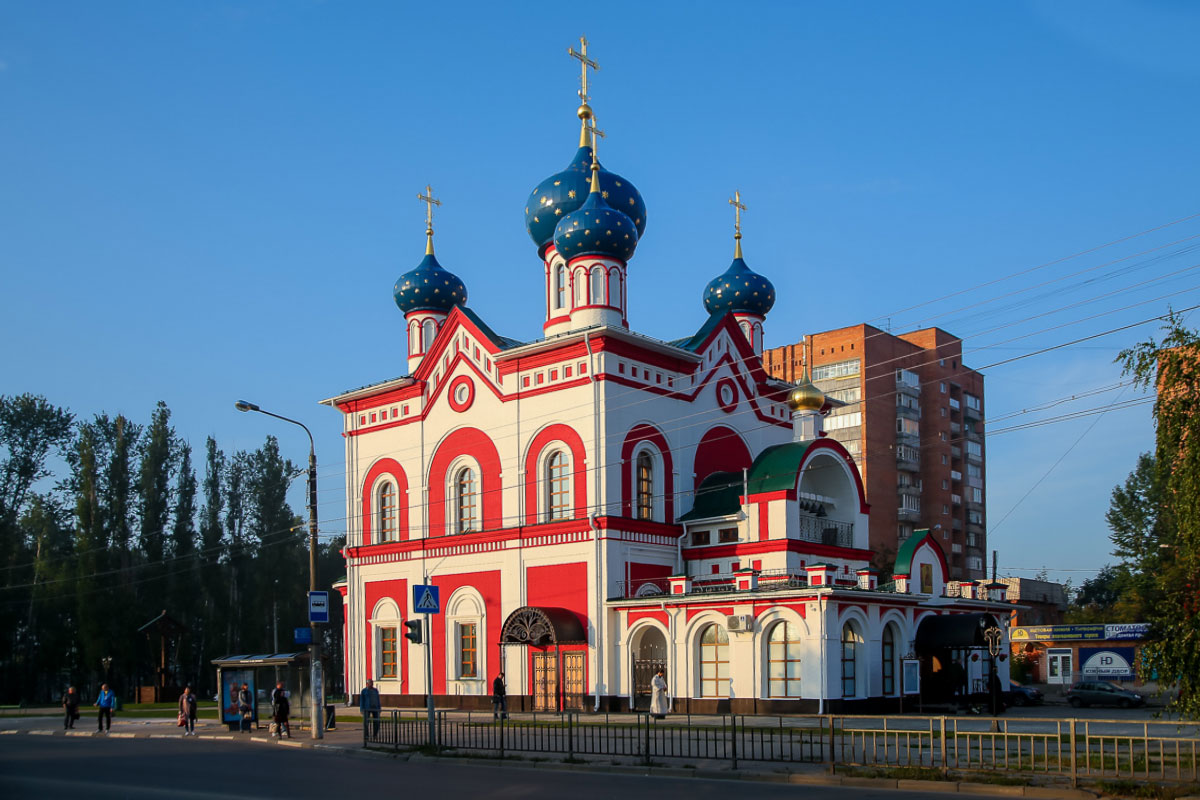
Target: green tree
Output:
[(1172, 365)]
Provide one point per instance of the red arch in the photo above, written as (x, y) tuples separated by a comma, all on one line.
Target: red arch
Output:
[(720, 450), (567, 435), (473, 442), (385, 466), (646, 433)]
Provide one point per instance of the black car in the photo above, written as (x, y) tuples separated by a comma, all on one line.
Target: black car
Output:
[(1102, 693), (1018, 695)]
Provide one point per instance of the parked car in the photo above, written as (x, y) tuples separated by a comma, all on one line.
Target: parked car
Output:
[(1102, 693), (1020, 695)]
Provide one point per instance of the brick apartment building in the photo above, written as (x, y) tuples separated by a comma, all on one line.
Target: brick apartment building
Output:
[(913, 420)]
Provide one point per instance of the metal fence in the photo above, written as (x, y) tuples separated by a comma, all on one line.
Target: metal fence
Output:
[(1066, 748)]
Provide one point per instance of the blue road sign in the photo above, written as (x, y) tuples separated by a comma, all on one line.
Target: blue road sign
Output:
[(318, 606), (302, 635), (425, 599)]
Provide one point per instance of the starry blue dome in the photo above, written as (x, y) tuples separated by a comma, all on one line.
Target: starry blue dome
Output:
[(566, 191), (596, 229), (739, 289), (429, 287)]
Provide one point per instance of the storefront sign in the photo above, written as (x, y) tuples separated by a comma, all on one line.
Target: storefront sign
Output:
[(1097, 632), (1106, 662)]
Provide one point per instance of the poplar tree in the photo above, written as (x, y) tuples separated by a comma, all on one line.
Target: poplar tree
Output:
[(1172, 365)]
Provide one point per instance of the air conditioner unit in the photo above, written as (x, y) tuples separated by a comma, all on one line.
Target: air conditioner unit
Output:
[(740, 622)]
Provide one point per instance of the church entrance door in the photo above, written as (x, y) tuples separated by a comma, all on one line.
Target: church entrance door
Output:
[(545, 681), (649, 655), (573, 680)]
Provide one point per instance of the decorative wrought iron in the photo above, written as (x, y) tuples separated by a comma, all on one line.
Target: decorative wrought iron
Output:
[(528, 626)]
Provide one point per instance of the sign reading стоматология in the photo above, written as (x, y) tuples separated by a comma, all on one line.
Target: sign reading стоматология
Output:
[(1098, 632)]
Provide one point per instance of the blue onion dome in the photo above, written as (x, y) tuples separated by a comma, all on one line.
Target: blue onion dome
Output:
[(596, 228), (566, 191), (739, 289), (429, 287)]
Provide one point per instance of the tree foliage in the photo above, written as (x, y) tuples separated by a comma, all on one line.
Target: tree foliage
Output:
[(123, 530), (1163, 548)]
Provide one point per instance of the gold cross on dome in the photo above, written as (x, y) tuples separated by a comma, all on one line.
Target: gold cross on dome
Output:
[(584, 64), (738, 208), (430, 201)]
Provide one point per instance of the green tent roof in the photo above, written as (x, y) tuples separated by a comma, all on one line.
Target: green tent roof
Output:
[(718, 496), (904, 555)]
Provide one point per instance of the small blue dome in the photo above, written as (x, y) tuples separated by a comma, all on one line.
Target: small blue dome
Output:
[(739, 289), (596, 229), (566, 191), (429, 287)]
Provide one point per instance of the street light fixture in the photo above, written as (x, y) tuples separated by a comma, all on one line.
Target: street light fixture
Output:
[(314, 648)]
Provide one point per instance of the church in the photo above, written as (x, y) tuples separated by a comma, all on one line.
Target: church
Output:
[(598, 504)]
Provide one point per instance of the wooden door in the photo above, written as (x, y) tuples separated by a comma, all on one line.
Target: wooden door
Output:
[(545, 681), (574, 684)]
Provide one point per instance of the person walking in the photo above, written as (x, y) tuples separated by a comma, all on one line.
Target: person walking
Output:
[(245, 707), (659, 704), (499, 698), (106, 702), (280, 708), (368, 704), (187, 711), (70, 708)]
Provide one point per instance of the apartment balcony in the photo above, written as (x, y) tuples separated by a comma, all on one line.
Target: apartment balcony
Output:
[(955, 451), (908, 413), (956, 499), (973, 506), (956, 524), (974, 434), (955, 476), (972, 413), (955, 429), (955, 405), (909, 491), (823, 530), (910, 439), (906, 388), (976, 457), (908, 458), (907, 515)]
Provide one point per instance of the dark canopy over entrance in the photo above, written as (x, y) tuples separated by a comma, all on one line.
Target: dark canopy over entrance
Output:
[(541, 626), (953, 631)]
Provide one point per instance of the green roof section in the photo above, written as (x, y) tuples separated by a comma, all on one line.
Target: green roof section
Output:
[(503, 342), (719, 495), (776, 467), (904, 555), (692, 342)]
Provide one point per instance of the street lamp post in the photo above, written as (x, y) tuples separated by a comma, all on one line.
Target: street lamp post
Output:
[(314, 648)]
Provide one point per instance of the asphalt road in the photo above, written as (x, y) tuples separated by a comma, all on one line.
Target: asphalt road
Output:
[(98, 768)]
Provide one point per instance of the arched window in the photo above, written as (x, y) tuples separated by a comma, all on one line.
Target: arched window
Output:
[(466, 501), (714, 662), (385, 502), (783, 661), (889, 659), (414, 338), (598, 286), (614, 288), (560, 286), (850, 647), (428, 334), (580, 288), (644, 479), (558, 486)]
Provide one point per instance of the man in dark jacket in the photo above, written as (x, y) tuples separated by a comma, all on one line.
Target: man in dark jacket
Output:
[(70, 708), (245, 702), (368, 704), (281, 708), (499, 698)]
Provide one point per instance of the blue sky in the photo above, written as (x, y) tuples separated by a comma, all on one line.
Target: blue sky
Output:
[(202, 201)]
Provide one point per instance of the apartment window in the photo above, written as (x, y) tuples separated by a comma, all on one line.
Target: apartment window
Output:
[(903, 532), (835, 422), (727, 535), (975, 563), (908, 426), (701, 538), (387, 653), (908, 378), (840, 369), (975, 449), (910, 502), (943, 410), (972, 401), (908, 453), (976, 495), (468, 650), (974, 471), (942, 386), (945, 484), (943, 458), (851, 395), (945, 510)]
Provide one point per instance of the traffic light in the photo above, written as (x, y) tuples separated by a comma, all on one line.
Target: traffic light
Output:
[(414, 631)]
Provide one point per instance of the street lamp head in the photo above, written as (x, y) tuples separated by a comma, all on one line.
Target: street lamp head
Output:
[(242, 405)]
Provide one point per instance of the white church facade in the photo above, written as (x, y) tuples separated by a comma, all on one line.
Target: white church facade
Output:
[(598, 504)]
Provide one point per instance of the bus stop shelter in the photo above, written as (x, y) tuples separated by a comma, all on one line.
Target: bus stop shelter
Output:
[(261, 673)]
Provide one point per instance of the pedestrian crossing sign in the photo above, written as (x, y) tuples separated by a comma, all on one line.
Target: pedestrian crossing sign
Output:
[(425, 599)]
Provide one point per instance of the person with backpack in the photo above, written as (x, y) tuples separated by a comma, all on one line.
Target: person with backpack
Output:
[(187, 711), (106, 702), (245, 701), (280, 708)]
